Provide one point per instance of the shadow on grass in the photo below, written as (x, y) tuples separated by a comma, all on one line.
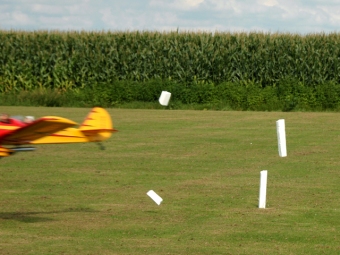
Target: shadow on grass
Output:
[(33, 217)]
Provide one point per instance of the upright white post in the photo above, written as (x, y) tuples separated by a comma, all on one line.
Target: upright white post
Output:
[(263, 189), (281, 137)]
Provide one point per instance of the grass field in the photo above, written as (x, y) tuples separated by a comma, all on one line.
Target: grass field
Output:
[(78, 199)]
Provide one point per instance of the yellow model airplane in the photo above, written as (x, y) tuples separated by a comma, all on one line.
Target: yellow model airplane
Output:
[(97, 127)]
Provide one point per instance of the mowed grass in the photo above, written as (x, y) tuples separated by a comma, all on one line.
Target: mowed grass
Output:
[(78, 199)]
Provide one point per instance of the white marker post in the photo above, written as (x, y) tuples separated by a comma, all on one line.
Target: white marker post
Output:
[(281, 137), (164, 98), (263, 189), (158, 200)]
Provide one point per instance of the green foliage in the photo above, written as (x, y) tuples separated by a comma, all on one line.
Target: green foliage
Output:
[(241, 71), (328, 95), (70, 60), (38, 97), (287, 95), (108, 94)]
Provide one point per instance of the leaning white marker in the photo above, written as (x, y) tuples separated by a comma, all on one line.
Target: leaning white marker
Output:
[(164, 98), (281, 137), (263, 189), (158, 200)]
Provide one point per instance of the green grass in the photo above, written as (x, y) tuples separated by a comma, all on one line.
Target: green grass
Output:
[(78, 199)]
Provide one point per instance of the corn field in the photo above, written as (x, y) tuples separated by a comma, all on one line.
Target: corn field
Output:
[(72, 60)]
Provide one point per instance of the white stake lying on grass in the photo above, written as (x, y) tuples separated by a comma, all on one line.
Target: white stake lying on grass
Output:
[(158, 200)]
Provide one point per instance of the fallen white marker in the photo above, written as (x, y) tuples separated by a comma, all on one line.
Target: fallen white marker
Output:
[(281, 137), (158, 200), (263, 189), (164, 98)]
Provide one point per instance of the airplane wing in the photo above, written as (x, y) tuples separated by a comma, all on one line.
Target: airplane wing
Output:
[(40, 128)]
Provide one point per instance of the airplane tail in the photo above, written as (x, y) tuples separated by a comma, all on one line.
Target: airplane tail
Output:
[(97, 125)]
